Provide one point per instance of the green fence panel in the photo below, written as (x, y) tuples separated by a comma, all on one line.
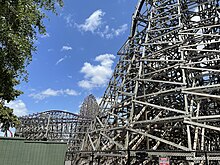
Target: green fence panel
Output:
[(18, 151)]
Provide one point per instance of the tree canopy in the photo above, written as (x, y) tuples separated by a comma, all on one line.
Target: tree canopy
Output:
[(20, 20)]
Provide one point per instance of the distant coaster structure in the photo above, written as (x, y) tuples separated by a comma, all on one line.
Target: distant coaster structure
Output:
[(55, 125)]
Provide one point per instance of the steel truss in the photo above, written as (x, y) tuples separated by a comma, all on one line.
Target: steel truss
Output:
[(55, 125), (163, 97)]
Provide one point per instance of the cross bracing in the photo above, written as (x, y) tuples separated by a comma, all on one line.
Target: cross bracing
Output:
[(89, 107), (163, 97), (55, 125)]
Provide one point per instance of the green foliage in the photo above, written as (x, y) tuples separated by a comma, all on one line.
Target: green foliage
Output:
[(19, 22), (8, 119)]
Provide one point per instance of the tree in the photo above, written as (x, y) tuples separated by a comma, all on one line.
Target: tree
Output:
[(20, 20)]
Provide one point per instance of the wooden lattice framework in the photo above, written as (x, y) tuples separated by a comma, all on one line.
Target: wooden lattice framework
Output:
[(163, 97), (89, 107), (55, 125)]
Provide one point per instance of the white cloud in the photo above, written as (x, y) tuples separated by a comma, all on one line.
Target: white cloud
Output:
[(19, 107), (60, 60), (86, 84), (70, 92), (97, 75), (69, 20), (51, 92), (111, 33), (93, 22), (121, 30), (66, 48)]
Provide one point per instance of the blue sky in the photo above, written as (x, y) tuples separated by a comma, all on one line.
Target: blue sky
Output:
[(77, 55)]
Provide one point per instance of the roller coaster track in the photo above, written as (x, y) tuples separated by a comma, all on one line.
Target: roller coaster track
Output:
[(163, 98), (55, 125)]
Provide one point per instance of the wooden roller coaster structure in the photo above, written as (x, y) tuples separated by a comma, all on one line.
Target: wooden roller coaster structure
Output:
[(55, 125), (164, 96), (163, 99)]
